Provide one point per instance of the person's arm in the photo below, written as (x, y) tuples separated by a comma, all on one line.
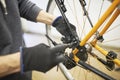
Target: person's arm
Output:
[(45, 17), (40, 57), (9, 64), (32, 12)]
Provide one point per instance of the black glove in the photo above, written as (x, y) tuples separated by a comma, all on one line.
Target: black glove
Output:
[(62, 27), (41, 57)]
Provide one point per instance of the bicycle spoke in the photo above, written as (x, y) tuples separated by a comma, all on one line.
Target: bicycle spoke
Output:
[(75, 16)]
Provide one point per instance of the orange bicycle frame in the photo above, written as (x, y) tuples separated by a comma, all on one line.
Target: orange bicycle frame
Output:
[(109, 11)]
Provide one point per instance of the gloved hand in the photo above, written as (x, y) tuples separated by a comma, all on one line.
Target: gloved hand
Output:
[(62, 27), (41, 57)]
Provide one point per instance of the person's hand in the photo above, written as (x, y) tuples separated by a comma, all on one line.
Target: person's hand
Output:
[(41, 57), (62, 27)]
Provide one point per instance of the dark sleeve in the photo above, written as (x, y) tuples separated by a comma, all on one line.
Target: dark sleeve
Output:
[(28, 10)]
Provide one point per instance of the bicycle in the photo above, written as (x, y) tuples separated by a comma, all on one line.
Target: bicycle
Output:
[(93, 37)]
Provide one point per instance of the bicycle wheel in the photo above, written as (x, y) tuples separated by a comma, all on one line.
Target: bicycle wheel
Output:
[(76, 16)]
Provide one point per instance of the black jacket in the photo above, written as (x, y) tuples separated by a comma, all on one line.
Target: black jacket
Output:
[(10, 28)]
